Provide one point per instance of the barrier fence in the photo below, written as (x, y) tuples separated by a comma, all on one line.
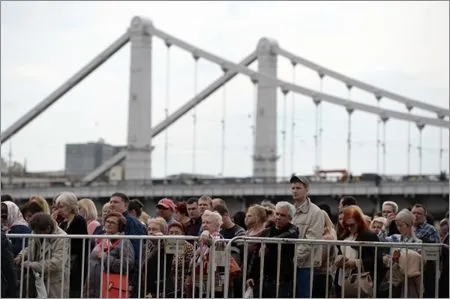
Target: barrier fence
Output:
[(119, 266)]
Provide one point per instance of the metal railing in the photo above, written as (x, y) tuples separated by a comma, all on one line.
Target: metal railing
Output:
[(206, 271)]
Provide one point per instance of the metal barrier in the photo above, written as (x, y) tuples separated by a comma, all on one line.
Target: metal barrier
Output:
[(167, 267)]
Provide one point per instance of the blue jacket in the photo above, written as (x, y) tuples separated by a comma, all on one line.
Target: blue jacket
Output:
[(17, 242), (134, 228)]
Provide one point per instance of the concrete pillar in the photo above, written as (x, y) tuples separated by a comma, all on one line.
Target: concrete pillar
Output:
[(138, 159), (265, 142)]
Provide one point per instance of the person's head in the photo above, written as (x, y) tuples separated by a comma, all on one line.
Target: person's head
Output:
[(119, 202), (135, 207), (68, 204), (177, 229), (347, 201), (354, 220), (4, 209), (40, 201), (114, 223), (29, 209), (156, 226), (328, 225), (87, 209), (404, 220), (299, 188), (377, 224), (192, 208), (217, 201), (420, 214), (284, 213), (239, 219), (211, 221), (368, 219), (7, 197), (42, 224), (106, 209), (270, 210), (181, 211), (225, 213), (165, 208), (256, 216), (204, 203), (388, 208)]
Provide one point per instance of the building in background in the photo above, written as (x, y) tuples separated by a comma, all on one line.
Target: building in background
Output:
[(82, 158)]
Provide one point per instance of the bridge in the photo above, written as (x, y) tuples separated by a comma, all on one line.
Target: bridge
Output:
[(137, 156)]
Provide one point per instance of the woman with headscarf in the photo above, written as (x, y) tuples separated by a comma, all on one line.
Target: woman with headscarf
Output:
[(14, 223)]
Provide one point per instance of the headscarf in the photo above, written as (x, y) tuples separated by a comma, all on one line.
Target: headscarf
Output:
[(14, 215)]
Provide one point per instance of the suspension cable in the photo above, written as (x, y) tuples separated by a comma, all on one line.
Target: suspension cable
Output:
[(292, 162), (224, 97), (408, 168), (316, 138), (378, 141), (166, 110), (284, 131), (441, 150), (252, 115), (384, 120), (194, 114), (420, 126), (349, 135), (322, 76)]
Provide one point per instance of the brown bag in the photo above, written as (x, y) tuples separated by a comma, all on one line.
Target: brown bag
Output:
[(355, 281)]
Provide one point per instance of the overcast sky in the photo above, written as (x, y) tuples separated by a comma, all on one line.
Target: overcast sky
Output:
[(400, 46)]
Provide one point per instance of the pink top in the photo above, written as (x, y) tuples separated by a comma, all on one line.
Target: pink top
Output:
[(92, 225)]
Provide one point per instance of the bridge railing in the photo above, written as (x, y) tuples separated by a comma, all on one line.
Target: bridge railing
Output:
[(187, 267), (194, 181)]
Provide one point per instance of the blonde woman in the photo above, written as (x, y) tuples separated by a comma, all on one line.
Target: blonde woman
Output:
[(89, 212), (41, 202), (328, 253), (73, 224)]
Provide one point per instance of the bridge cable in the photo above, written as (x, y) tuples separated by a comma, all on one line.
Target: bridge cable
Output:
[(194, 114), (420, 126), (441, 149), (408, 168), (224, 97), (349, 135), (252, 115), (166, 110), (316, 136), (293, 120), (283, 132), (384, 119), (378, 141), (322, 76)]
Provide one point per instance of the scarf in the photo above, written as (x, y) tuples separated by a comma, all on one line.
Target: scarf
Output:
[(14, 215)]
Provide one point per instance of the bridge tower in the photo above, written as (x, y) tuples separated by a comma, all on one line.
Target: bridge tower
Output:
[(139, 141), (265, 139)]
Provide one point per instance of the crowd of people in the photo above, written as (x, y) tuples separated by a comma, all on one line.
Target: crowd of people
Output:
[(146, 267)]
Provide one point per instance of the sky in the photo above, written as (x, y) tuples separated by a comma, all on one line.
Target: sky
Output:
[(400, 46)]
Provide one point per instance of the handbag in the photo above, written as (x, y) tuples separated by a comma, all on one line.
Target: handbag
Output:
[(355, 281), (112, 287)]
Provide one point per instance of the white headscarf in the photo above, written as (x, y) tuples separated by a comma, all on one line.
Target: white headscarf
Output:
[(14, 215)]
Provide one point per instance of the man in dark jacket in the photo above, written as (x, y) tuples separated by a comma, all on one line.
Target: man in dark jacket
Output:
[(282, 228)]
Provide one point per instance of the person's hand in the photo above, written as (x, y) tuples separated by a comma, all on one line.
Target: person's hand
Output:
[(100, 254), (18, 260), (390, 217), (26, 264), (349, 264), (204, 236)]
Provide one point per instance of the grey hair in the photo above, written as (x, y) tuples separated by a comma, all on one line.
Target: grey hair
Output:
[(392, 204), (214, 215), (290, 207), (68, 199)]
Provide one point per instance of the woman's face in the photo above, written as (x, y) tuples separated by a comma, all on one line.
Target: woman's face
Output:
[(341, 219), (178, 216), (111, 225), (251, 218), (376, 227), (402, 228), (153, 228), (351, 225), (175, 231), (209, 224), (65, 211)]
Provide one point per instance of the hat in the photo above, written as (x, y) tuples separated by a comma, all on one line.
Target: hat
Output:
[(166, 203), (405, 216), (301, 179)]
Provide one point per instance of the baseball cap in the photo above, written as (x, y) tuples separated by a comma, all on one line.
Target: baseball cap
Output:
[(301, 179), (166, 203)]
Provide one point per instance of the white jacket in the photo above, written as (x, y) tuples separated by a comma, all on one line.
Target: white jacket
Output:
[(310, 222)]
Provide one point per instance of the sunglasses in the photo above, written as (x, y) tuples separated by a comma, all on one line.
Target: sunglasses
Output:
[(350, 225)]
